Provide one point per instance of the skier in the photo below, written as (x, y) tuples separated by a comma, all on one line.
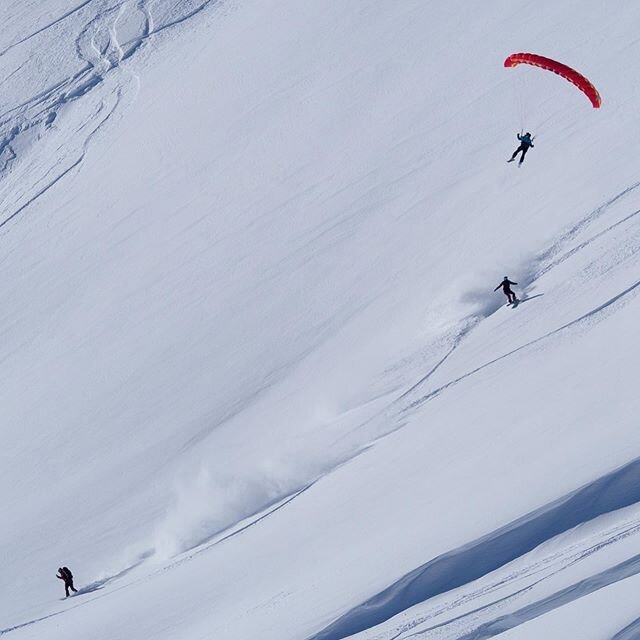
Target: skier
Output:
[(506, 288), (526, 141), (67, 576)]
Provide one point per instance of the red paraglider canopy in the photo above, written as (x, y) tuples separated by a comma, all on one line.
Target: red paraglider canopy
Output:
[(561, 69)]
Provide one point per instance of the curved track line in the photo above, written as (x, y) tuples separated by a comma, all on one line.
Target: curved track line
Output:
[(48, 26), (590, 314)]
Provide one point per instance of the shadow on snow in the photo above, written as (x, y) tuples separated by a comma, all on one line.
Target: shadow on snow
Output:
[(616, 490)]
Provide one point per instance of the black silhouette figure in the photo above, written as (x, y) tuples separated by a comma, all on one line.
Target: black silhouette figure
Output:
[(526, 141), (506, 288), (65, 574)]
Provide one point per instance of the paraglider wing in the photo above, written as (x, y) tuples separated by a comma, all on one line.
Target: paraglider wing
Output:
[(561, 69)]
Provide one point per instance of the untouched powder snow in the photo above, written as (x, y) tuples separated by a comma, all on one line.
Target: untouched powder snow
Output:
[(255, 380)]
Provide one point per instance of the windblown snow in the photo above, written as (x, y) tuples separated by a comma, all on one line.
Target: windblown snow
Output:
[(255, 381)]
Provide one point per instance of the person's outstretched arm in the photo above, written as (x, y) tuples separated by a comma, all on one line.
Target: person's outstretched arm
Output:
[(514, 283), (498, 287)]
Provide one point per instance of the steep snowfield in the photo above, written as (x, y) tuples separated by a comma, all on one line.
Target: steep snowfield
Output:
[(255, 381)]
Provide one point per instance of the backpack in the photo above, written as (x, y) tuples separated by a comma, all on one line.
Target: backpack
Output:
[(66, 573)]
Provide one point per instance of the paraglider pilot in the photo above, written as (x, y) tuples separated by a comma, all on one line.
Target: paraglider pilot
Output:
[(506, 288), (526, 141), (66, 575)]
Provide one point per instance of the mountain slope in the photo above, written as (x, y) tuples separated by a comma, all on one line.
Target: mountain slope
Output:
[(254, 376)]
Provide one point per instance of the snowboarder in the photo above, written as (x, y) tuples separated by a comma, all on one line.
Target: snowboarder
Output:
[(526, 141), (67, 576), (506, 288)]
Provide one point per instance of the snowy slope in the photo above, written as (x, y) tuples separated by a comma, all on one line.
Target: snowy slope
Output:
[(254, 377)]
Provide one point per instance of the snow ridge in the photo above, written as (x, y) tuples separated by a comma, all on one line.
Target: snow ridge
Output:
[(612, 492)]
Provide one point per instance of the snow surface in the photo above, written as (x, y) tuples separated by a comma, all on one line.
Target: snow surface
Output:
[(255, 380)]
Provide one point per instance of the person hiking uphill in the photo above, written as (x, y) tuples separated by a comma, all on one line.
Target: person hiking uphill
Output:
[(67, 576), (526, 141), (506, 288)]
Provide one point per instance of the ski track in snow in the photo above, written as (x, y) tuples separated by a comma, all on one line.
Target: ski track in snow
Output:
[(58, 20), (463, 567), (552, 520), (417, 586), (100, 52), (550, 567), (580, 589), (203, 546), (90, 588), (109, 112), (573, 323), (103, 43), (549, 259)]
